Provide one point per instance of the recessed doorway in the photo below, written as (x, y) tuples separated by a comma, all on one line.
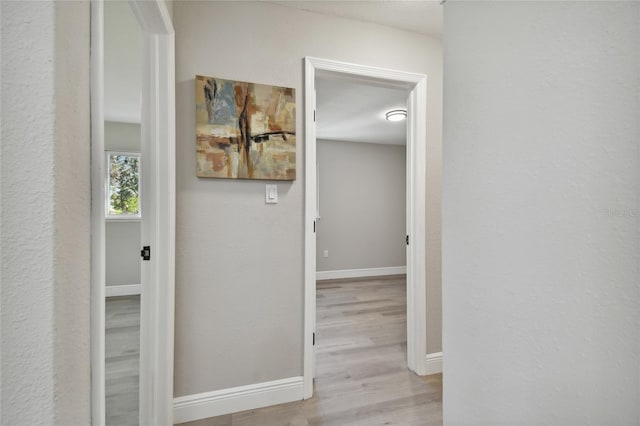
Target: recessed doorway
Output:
[(132, 212), (415, 85)]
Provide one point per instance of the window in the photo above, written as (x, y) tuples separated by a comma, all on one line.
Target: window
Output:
[(123, 185)]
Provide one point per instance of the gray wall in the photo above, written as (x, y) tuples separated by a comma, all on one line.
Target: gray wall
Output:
[(122, 63), (44, 221), (541, 213), (239, 262), (120, 136), (362, 205), (122, 238), (122, 252)]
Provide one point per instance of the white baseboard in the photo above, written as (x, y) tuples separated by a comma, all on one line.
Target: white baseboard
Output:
[(231, 400), (434, 363), (359, 273), (122, 290)]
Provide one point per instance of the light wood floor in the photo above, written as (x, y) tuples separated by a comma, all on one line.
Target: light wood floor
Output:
[(122, 360), (362, 377)]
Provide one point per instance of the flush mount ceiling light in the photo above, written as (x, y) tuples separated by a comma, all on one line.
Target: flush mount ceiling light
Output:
[(396, 115)]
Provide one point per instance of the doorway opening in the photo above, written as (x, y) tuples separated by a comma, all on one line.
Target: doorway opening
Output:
[(132, 212), (360, 235), (415, 86)]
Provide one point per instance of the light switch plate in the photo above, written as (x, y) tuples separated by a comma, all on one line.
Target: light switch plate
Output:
[(271, 194)]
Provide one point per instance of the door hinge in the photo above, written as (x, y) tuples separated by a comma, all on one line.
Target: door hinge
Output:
[(314, 226), (314, 339), (314, 115), (146, 253), (407, 240)]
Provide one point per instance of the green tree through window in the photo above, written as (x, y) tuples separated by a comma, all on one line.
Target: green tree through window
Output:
[(124, 187)]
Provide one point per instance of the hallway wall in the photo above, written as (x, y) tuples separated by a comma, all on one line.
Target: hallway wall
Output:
[(362, 205), (45, 219), (239, 262), (541, 261)]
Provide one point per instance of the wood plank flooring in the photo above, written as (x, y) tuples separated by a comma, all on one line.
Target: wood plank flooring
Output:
[(122, 360), (361, 371)]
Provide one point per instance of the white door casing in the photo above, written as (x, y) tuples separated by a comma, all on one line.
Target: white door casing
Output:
[(416, 184), (158, 227)]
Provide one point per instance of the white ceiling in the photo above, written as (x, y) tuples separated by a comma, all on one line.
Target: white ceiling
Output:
[(420, 16), (353, 111)]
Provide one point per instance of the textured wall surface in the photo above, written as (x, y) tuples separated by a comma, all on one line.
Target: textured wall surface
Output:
[(239, 262), (45, 202), (362, 205), (72, 214), (541, 213), (27, 199)]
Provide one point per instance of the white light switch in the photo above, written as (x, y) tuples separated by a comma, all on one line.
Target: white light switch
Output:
[(271, 194), (326, 253)]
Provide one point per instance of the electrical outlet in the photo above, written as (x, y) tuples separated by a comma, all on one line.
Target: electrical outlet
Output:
[(326, 253)]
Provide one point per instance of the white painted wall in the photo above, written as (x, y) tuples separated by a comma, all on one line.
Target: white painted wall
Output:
[(45, 205), (541, 213), (239, 262), (362, 205)]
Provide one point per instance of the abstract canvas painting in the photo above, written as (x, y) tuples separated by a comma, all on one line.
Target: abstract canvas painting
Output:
[(245, 130)]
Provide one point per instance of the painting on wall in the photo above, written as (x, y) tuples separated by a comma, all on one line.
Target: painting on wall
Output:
[(245, 130)]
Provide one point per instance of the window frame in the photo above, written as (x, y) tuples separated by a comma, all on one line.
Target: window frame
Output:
[(121, 217)]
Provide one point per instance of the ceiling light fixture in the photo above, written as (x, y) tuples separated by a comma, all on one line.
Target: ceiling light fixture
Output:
[(396, 115)]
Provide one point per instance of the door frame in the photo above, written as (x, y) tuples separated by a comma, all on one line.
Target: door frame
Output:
[(158, 226), (416, 187)]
